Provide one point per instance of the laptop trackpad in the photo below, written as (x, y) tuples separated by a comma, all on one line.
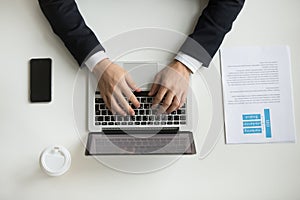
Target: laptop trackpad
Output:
[(142, 73)]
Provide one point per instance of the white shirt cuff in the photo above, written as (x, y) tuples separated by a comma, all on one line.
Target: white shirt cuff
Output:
[(188, 61), (92, 61)]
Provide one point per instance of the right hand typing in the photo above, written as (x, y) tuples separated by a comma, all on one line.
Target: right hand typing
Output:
[(115, 84)]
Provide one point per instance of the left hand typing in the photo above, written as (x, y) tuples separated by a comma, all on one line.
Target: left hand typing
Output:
[(170, 86)]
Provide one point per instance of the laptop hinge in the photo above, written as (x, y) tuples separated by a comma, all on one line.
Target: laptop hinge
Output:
[(137, 130)]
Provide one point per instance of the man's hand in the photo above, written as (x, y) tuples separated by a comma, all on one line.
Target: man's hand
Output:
[(114, 83), (172, 84)]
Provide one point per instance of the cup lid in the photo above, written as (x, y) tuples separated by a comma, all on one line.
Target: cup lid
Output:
[(55, 160)]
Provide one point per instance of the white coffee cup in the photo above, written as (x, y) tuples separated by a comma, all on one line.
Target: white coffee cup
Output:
[(55, 160)]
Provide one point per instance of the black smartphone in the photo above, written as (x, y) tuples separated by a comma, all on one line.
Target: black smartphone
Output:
[(40, 79)]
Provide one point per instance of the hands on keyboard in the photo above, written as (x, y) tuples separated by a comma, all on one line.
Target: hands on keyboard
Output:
[(144, 115)]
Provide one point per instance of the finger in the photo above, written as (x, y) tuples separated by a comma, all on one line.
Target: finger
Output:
[(174, 105), (123, 103), (160, 95), (167, 103), (155, 86), (106, 101), (125, 88), (131, 83), (183, 100), (115, 107), (154, 89), (131, 97)]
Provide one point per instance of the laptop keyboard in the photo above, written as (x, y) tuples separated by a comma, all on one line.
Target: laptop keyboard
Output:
[(144, 115)]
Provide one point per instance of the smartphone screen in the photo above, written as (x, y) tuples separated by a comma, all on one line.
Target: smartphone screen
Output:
[(40, 80)]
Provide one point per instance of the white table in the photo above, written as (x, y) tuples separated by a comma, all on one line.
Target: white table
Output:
[(228, 172)]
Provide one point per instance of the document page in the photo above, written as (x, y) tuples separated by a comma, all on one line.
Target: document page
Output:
[(257, 94)]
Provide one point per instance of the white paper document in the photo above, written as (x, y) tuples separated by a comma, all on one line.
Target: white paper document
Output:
[(257, 94)]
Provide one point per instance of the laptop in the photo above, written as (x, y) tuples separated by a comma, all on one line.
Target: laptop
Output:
[(145, 133)]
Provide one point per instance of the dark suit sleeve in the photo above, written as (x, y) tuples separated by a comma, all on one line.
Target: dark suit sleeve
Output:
[(67, 22), (216, 20)]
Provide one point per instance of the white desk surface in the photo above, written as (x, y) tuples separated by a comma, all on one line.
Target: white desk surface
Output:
[(229, 172)]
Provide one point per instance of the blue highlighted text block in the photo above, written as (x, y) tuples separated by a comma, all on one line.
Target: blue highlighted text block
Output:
[(252, 130), (251, 116)]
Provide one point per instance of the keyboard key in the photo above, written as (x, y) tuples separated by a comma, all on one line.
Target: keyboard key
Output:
[(154, 111), (104, 123), (151, 118), (102, 106), (98, 100), (97, 107), (136, 123), (164, 117), (119, 118), (141, 112), (143, 100), (176, 117), (138, 118), (104, 112), (111, 123), (182, 117), (126, 118), (107, 118), (100, 118), (97, 112)]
